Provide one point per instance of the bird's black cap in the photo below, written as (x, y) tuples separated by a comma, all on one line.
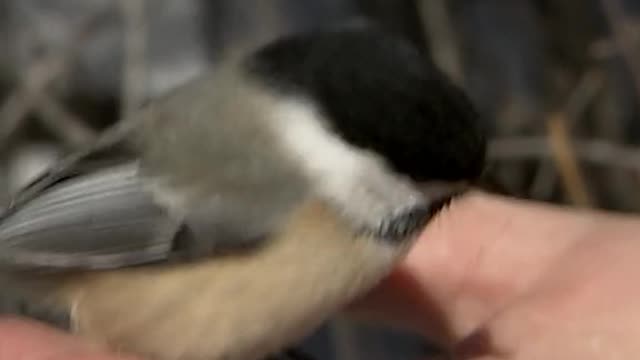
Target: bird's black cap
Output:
[(382, 94)]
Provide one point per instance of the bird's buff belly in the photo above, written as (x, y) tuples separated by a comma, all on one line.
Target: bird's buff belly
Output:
[(238, 307)]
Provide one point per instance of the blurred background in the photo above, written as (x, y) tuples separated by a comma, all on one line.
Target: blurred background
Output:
[(557, 83)]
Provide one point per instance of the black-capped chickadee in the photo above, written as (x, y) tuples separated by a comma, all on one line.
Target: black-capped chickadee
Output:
[(259, 199)]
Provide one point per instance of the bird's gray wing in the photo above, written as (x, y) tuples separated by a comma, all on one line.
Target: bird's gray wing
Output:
[(101, 220), (112, 140)]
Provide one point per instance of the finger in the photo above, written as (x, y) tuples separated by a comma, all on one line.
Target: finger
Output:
[(26, 339)]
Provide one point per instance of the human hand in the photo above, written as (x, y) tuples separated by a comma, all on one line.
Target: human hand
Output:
[(490, 278), (497, 278)]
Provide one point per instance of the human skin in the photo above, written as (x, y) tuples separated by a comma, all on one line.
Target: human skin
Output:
[(22, 339), (489, 278), (499, 278)]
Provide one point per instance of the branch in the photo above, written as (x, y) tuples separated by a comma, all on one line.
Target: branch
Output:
[(437, 25), (585, 91), (624, 39), (566, 160), (39, 75), (134, 79), (595, 151), (65, 125), (20, 102)]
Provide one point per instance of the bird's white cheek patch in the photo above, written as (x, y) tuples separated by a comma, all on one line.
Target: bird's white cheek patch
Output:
[(355, 180)]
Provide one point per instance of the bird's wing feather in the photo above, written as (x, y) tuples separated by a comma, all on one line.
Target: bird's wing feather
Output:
[(111, 140), (102, 220)]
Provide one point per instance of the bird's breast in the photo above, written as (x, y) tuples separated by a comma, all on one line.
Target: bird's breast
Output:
[(238, 306)]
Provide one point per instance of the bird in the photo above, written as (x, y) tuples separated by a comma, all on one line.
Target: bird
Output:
[(253, 202)]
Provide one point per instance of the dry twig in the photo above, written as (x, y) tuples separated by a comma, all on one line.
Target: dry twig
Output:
[(582, 95), (38, 77), (135, 47), (65, 125), (595, 151), (623, 37), (437, 24), (566, 160)]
